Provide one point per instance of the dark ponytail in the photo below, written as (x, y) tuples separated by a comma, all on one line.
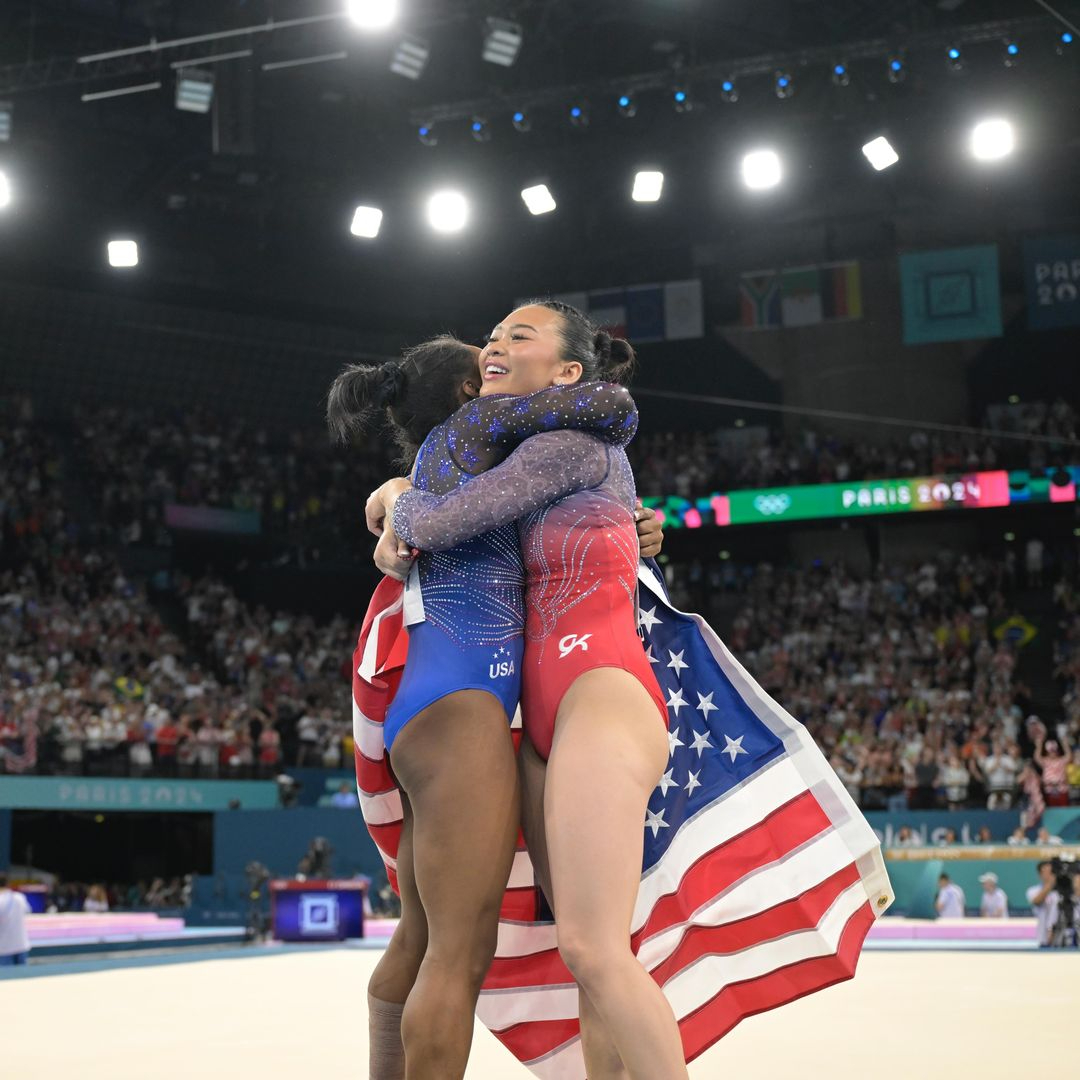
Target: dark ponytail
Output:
[(601, 356), (359, 394), (411, 395)]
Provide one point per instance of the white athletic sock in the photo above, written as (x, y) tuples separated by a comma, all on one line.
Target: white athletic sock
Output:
[(386, 1052)]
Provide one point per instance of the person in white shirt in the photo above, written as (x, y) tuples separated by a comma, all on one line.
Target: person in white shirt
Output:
[(14, 940), (950, 899), (1044, 903), (994, 903)]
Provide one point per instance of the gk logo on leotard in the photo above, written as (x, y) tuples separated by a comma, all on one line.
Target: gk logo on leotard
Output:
[(571, 642)]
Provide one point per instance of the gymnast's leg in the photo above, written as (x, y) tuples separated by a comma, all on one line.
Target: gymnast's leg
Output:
[(455, 761), (395, 973)]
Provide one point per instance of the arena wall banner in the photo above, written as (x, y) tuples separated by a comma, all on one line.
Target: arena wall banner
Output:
[(930, 825), (213, 519), (1052, 277), (185, 796), (951, 295), (806, 502)]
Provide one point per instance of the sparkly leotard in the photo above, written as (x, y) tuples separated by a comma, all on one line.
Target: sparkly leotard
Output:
[(573, 498), (470, 636)]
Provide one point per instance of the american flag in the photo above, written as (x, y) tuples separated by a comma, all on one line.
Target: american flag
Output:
[(760, 878)]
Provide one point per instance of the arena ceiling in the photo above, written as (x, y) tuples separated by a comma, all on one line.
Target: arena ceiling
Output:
[(265, 192)]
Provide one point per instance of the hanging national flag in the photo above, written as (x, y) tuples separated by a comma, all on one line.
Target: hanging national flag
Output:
[(759, 300), (841, 291), (800, 290), (668, 311)]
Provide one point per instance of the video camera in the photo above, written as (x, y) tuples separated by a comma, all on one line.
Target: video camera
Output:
[(1065, 930)]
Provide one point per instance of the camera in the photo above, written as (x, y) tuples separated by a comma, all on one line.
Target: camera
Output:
[(1064, 932)]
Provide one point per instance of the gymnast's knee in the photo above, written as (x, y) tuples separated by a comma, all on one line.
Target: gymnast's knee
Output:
[(592, 960)]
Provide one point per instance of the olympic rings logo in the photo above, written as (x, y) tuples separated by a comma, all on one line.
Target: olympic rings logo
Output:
[(772, 505)]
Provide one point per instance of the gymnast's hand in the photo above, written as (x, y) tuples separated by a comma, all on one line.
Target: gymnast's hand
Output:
[(649, 530), (394, 557), (380, 504)]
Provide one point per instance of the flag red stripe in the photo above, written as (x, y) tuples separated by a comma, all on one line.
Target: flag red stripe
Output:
[(800, 913), (528, 1041), (387, 837), (518, 905), (373, 777), (708, 1024), (544, 968), (785, 829)]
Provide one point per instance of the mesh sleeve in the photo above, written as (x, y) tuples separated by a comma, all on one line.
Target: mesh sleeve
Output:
[(540, 471), (485, 429)]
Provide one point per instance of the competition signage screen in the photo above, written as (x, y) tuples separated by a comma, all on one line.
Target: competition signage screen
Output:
[(806, 502)]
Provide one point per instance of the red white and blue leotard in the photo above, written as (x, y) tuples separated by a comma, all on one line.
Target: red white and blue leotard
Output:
[(471, 630), (572, 497)]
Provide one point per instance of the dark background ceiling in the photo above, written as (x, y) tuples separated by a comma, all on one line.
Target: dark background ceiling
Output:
[(266, 223)]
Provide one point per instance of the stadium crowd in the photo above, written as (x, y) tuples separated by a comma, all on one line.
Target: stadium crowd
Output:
[(308, 492), (900, 674)]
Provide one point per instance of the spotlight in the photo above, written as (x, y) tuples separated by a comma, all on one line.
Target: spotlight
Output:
[(481, 131), (194, 90), (897, 69), (729, 91), (538, 199), (761, 170), (521, 121), (880, 153), (785, 85), (410, 57), (372, 14), (648, 185), (1012, 54), (1062, 46), (992, 140), (579, 115), (502, 41), (123, 253), (5, 191), (427, 135), (955, 59), (682, 99), (627, 105), (366, 222), (447, 211), (6, 117), (841, 76)]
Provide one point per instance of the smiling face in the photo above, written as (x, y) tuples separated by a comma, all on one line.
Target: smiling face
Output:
[(524, 354)]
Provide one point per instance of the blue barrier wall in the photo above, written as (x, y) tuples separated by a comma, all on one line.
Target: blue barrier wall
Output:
[(931, 824), (279, 839)]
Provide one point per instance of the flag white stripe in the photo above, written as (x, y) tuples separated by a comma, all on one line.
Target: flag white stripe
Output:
[(367, 735), (524, 939), (735, 812), (381, 809), (703, 980), (564, 1063), (501, 1009), (785, 879), (521, 873)]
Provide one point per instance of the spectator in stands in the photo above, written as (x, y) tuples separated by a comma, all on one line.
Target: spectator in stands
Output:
[(999, 768), (950, 899), (14, 939), (907, 837), (1019, 837), (96, 899), (984, 836), (269, 750), (956, 779), (345, 797), (926, 775), (993, 904), (1052, 761), (948, 838), (1044, 838)]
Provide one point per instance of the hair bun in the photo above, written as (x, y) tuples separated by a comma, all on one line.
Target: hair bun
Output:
[(615, 357), (602, 342), (391, 384)]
